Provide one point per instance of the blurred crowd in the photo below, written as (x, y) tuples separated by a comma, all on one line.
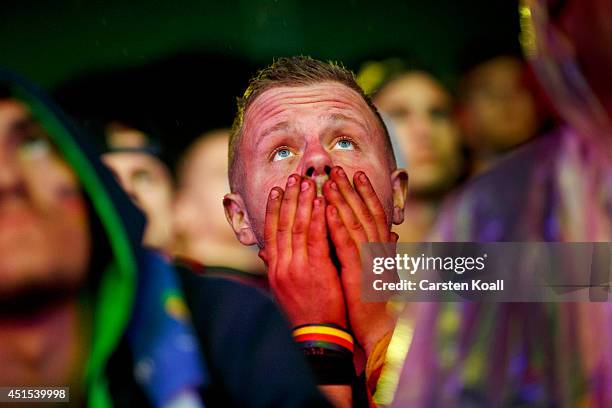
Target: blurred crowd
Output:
[(231, 276)]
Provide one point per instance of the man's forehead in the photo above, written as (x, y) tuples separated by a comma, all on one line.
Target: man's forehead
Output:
[(130, 161), (331, 101), (414, 87), (126, 139)]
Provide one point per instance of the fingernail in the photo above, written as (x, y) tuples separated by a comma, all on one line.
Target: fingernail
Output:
[(334, 211), (362, 178), (291, 181), (340, 172), (305, 185), (317, 202), (274, 194), (333, 185)]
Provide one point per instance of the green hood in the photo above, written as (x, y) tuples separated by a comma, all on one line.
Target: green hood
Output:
[(121, 222)]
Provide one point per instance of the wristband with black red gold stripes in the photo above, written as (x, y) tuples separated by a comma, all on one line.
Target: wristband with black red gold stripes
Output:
[(329, 351)]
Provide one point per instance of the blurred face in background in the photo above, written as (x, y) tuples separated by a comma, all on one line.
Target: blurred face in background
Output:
[(148, 182), (44, 231), (498, 110), (202, 183), (421, 112)]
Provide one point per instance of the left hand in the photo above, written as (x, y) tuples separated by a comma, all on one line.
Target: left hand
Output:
[(356, 216)]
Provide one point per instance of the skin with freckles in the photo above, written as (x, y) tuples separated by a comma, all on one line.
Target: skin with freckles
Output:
[(293, 136)]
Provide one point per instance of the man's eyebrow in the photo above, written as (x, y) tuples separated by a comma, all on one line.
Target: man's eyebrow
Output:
[(24, 125), (339, 118), (280, 126)]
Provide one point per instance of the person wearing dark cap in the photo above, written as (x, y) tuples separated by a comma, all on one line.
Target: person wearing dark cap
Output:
[(135, 160)]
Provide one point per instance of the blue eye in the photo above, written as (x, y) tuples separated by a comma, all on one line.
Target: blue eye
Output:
[(345, 144), (282, 154)]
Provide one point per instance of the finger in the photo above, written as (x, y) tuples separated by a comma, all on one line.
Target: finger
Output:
[(346, 248), (303, 214), (369, 197), (270, 226), (271, 223), (356, 203), (287, 217), (332, 194), (394, 237), (318, 247)]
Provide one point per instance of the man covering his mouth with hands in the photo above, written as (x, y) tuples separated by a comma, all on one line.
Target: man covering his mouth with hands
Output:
[(313, 177)]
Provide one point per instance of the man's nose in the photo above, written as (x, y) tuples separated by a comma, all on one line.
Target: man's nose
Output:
[(317, 162), (312, 172), (421, 129)]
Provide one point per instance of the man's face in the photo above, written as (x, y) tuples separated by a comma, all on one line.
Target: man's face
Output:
[(202, 182), (146, 179), (44, 231), (499, 111), (307, 130), (422, 116)]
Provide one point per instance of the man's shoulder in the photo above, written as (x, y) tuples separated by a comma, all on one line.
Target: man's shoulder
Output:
[(220, 292), (247, 344), (513, 171), (228, 314)]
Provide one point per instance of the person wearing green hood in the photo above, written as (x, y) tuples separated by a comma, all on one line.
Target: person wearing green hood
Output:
[(84, 306)]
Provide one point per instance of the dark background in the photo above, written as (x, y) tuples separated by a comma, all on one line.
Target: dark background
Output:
[(176, 67)]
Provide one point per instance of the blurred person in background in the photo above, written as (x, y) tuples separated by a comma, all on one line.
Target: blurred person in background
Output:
[(202, 232), (420, 110), (136, 161), (498, 108), (555, 188), (83, 305)]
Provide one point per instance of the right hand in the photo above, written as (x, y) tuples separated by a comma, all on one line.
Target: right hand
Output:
[(296, 252)]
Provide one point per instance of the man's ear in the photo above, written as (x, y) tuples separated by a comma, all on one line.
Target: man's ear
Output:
[(399, 183), (235, 212)]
